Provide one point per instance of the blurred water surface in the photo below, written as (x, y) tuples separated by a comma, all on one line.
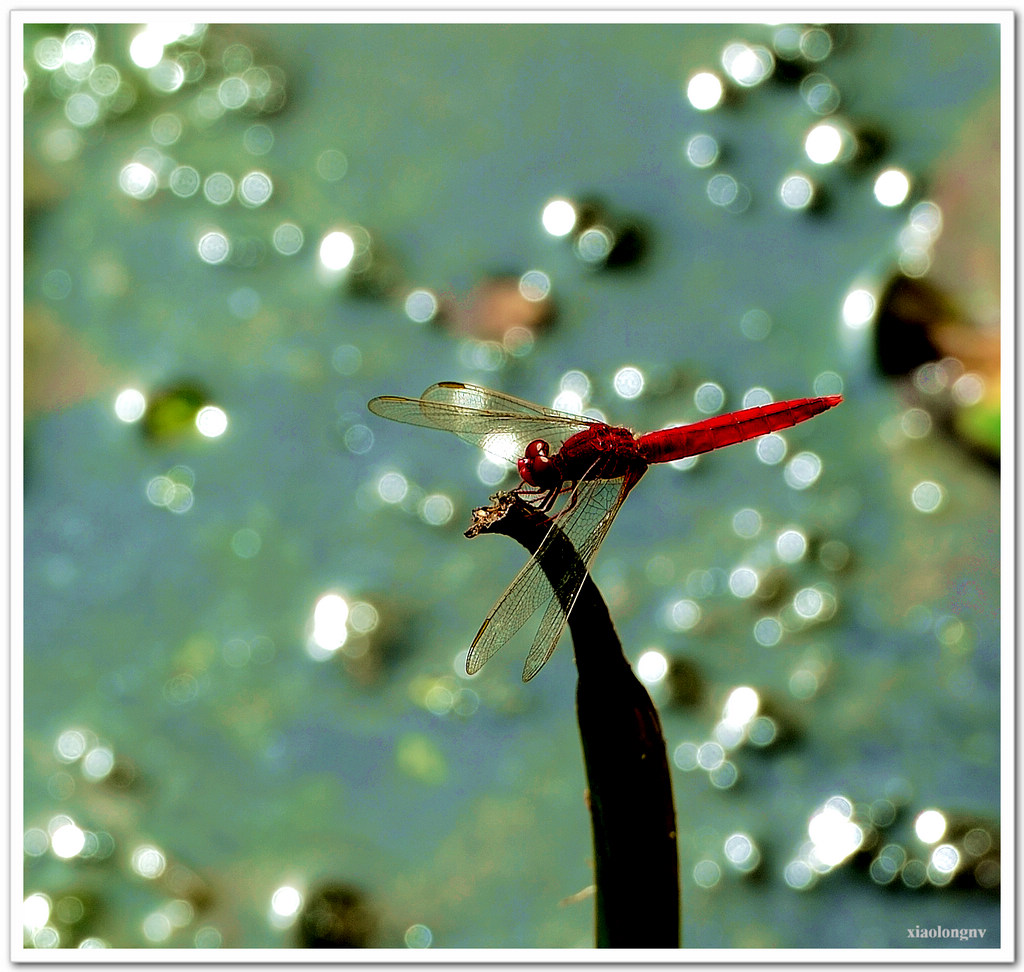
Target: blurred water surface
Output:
[(258, 737)]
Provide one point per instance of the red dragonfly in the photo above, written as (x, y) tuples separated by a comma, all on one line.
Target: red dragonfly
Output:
[(591, 464)]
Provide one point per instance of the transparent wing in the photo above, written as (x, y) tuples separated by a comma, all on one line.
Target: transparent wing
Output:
[(487, 399), (499, 424), (585, 522), (587, 533), (527, 592)]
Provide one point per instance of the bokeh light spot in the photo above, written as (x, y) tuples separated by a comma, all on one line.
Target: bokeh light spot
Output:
[(211, 421), (628, 382), (927, 496), (213, 247), (762, 730), (491, 471), (892, 187), (232, 93), (167, 76), (741, 852), (331, 165), (767, 632), (219, 188), (246, 543), (285, 902), (67, 840), (166, 128), (558, 217), (755, 324), (741, 706), (724, 775), (421, 306), (148, 861), (418, 936), (771, 449), (706, 874), (746, 523), (104, 79), (651, 666), (98, 763), (968, 389), (130, 405), (704, 90), (392, 487), (577, 382), (798, 875), (683, 615), (35, 912), (723, 190), (329, 622), (819, 94), (437, 509), (685, 756), (790, 545), (858, 308), (82, 109), (255, 188), (702, 151), (710, 755), (146, 48), (828, 142), (803, 470), (287, 239), (808, 602), (535, 285), (747, 64), (743, 582), (709, 397), (594, 245), (71, 745), (337, 250), (346, 359), (796, 191), (930, 825), (49, 53), (827, 383), (568, 401), (945, 859), (138, 181), (258, 139), (184, 181), (363, 617), (358, 439), (833, 833)]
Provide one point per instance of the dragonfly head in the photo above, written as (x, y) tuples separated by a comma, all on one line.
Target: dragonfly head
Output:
[(537, 468)]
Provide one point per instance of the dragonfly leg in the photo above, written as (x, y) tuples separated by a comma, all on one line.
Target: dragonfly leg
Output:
[(529, 493), (543, 500), (549, 500), (574, 496), (540, 499)]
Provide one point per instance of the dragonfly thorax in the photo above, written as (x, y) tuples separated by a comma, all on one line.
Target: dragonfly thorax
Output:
[(602, 452)]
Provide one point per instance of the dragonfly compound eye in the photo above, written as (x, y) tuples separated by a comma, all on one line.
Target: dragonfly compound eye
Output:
[(536, 467), (538, 449)]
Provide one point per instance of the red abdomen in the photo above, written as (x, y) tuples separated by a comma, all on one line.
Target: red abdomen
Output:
[(667, 445)]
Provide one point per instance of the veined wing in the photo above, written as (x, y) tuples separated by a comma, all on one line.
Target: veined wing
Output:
[(477, 397), (499, 424), (587, 533), (593, 507)]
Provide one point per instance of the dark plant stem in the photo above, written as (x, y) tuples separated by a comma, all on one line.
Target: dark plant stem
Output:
[(630, 791)]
